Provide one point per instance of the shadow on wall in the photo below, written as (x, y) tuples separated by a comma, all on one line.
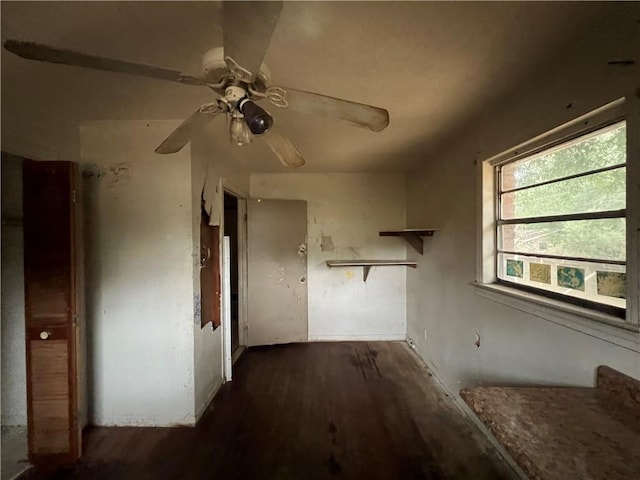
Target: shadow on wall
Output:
[(92, 175)]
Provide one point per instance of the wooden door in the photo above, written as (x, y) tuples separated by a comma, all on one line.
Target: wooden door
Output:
[(209, 272), (277, 271), (51, 311)]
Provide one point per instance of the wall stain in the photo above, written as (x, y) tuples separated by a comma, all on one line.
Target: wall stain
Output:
[(279, 275), (92, 171), (119, 174), (326, 243)]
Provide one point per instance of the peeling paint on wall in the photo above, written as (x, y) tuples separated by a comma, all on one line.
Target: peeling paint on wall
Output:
[(197, 309), (119, 174), (326, 243)]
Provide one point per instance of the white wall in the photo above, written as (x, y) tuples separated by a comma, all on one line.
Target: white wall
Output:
[(345, 213), (140, 308), (516, 347), (14, 392), (148, 360), (209, 169)]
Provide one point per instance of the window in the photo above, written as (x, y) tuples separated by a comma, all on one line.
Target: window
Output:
[(561, 219), (559, 225)]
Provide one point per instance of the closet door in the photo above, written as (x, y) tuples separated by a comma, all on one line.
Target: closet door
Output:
[(51, 311)]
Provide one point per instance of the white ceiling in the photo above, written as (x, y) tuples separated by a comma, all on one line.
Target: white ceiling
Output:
[(433, 65)]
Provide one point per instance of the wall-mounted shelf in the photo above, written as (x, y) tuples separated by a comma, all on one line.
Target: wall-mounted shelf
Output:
[(367, 264), (413, 236)]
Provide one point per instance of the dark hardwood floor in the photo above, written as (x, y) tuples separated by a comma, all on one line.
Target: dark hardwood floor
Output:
[(306, 411)]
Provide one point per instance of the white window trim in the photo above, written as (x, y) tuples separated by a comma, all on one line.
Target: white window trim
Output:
[(596, 324), (591, 322)]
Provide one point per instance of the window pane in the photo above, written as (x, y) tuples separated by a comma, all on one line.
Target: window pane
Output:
[(600, 149), (592, 193), (602, 239), (595, 282)]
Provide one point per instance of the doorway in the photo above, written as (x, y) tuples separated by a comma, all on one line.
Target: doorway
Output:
[(231, 212), (14, 369)]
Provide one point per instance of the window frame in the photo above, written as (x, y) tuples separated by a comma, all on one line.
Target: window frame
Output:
[(606, 122), (578, 315)]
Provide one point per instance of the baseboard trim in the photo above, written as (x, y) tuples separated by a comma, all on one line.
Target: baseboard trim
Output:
[(125, 421), (236, 354), (467, 412), (358, 338), (209, 398)]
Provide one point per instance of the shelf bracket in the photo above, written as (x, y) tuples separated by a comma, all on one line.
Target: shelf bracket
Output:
[(415, 241), (365, 272)]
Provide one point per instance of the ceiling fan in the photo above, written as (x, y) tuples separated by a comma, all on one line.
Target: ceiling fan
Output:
[(237, 75)]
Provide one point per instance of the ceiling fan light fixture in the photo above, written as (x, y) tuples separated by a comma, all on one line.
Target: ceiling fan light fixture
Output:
[(239, 132), (258, 120)]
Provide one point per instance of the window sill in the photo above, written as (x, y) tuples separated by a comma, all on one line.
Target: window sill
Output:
[(590, 322)]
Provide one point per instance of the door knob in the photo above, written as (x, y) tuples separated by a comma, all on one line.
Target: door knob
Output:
[(44, 335)]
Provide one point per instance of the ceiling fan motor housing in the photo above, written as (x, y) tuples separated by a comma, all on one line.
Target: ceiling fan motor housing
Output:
[(214, 66)]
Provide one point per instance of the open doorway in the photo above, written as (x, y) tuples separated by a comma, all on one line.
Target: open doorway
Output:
[(14, 369), (231, 212)]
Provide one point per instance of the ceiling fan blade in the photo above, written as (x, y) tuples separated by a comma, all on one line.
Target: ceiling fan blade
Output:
[(361, 115), (45, 53), (248, 27), (182, 135), (282, 147)]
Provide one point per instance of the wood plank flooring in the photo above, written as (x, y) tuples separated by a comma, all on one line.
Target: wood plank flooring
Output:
[(352, 410)]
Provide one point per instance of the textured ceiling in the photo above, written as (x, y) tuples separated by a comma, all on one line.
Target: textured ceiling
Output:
[(433, 65)]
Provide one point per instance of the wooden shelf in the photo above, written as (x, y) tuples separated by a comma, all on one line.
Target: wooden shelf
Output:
[(413, 236), (367, 264)]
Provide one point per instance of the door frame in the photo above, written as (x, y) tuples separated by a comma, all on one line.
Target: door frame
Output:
[(227, 186)]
